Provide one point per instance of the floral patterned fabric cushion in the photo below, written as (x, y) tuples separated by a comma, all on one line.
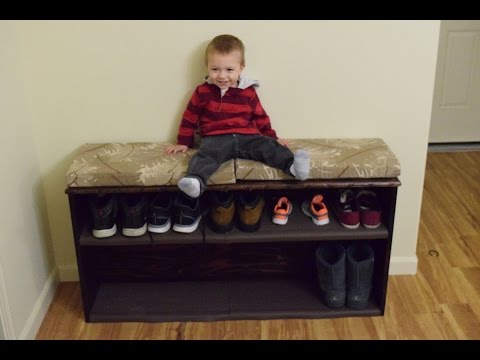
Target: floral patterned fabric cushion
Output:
[(134, 164), (146, 164), (331, 159)]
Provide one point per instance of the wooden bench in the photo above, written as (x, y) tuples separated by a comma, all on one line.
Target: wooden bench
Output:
[(206, 276)]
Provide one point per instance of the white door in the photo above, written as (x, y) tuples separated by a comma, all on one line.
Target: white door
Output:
[(456, 98)]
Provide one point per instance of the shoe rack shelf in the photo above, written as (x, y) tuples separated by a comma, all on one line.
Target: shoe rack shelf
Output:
[(206, 276)]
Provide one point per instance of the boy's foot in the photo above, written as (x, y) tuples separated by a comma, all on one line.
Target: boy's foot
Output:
[(301, 165), (190, 186)]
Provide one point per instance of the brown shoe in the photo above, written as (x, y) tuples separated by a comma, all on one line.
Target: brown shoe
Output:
[(221, 211), (249, 209)]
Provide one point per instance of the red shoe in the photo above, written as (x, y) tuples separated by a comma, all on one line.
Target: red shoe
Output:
[(370, 209), (346, 209), (282, 209)]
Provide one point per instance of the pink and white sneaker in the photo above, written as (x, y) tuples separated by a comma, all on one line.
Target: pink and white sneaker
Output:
[(282, 209), (316, 209)]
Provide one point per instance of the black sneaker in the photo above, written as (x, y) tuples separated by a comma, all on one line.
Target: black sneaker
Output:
[(103, 209), (186, 213), (158, 214), (133, 214)]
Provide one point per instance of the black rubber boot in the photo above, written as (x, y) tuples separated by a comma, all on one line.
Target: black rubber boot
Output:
[(331, 274), (360, 258)]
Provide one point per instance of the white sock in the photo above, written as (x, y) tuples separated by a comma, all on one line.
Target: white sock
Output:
[(301, 165), (190, 186)]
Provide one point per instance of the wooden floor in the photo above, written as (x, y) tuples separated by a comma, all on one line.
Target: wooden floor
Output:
[(442, 301)]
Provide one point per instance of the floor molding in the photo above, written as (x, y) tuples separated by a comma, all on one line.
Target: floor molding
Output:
[(403, 265), (41, 307), (450, 147)]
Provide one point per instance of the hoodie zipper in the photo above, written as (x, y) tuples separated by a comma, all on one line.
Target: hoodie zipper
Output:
[(221, 99)]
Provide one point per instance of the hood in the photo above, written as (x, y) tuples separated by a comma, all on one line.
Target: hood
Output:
[(246, 82)]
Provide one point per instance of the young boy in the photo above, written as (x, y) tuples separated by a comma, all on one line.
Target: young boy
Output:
[(233, 123)]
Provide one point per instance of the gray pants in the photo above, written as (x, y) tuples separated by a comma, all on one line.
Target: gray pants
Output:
[(215, 150)]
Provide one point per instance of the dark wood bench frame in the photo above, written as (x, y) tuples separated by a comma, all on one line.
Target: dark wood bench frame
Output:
[(205, 276)]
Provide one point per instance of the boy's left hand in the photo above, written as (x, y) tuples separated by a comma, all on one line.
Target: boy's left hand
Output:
[(283, 142)]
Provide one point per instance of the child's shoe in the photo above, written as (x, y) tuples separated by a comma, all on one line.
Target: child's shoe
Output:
[(370, 209), (316, 209), (346, 209), (282, 209)]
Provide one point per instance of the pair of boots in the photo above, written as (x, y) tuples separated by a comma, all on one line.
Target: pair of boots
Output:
[(345, 275), (248, 205)]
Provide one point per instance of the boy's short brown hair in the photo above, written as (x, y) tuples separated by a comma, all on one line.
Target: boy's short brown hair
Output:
[(225, 44)]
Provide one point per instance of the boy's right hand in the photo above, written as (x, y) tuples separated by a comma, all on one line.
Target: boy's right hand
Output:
[(173, 149)]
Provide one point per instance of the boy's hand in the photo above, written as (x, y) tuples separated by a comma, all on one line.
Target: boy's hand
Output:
[(173, 149), (283, 142)]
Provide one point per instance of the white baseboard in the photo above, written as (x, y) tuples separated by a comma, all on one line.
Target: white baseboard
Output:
[(40, 309), (399, 265), (403, 265), (68, 273), (452, 147)]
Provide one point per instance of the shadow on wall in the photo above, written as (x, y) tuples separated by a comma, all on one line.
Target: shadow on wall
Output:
[(198, 69), (195, 75), (59, 215), (43, 224), (36, 244)]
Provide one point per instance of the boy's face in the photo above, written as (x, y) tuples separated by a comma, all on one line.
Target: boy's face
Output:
[(224, 69)]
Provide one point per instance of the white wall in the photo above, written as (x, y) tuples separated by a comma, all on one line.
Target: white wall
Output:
[(27, 269), (107, 81), (2, 333)]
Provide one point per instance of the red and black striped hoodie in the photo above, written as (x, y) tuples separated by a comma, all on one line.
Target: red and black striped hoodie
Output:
[(238, 111)]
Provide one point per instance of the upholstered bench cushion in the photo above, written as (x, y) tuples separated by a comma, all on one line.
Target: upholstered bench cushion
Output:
[(134, 164), (331, 159), (146, 164)]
